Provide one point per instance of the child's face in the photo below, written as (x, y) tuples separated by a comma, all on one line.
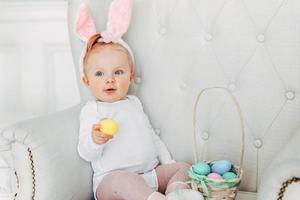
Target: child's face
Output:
[(108, 74)]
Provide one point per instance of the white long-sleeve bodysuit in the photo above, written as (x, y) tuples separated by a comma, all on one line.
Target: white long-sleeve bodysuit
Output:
[(135, 148)]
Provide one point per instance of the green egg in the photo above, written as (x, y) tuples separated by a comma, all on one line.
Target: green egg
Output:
[(201, 168), (229, 175)]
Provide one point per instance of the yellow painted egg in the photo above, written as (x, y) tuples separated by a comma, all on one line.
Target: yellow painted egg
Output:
[(109, 127)]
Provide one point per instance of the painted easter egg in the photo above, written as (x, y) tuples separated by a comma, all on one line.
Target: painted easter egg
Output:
[(214, 176), (201, 168), (229, 175), (221, 166), (109, 127)]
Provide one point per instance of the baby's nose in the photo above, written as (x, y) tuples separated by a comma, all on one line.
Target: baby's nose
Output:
[(110, 79)]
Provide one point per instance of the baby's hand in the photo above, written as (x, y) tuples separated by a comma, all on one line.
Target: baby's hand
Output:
[(98, 136)]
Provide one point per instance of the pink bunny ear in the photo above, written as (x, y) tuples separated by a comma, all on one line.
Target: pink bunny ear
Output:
[(119, 17), (85, 26)]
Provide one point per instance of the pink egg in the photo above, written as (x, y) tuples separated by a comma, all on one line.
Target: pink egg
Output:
[(214, 176)]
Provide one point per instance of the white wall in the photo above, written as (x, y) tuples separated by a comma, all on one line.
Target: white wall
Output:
[(36, 69)]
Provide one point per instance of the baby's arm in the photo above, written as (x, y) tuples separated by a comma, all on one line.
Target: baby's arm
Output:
[(87, 148), (164, 155)]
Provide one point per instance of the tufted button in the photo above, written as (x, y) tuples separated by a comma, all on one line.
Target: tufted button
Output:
[(260, 38), (232, 86), (258, 143), (205, 135), (290, 95), (163, 31), (183, 86), (137, 80), (208, 37), (157, 131)]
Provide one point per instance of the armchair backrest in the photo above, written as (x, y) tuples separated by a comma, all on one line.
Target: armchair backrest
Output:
[(181, 47)]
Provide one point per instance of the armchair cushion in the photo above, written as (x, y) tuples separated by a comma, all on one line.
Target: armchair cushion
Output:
[(46, 159), (285, 166)]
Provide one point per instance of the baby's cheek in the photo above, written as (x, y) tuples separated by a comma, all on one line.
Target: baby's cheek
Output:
[(124, 85), (96, 89)]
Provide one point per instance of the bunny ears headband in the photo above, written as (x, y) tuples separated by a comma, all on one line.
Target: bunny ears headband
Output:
[(117, 25)]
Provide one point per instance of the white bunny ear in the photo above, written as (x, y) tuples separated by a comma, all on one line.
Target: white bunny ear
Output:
[(85, 26), (119, 18)]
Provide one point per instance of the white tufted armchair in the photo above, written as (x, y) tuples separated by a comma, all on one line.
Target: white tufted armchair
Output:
[(251, 47)]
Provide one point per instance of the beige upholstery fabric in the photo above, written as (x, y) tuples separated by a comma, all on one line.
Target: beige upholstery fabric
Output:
[(248, 47)]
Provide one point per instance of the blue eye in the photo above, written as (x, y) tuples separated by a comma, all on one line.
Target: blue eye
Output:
[(119, 72), (99, 73)]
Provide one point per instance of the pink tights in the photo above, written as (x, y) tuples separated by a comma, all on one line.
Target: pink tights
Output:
[(125, 185)]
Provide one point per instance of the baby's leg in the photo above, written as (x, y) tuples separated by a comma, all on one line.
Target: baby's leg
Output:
[(124, 185), (172, 177)]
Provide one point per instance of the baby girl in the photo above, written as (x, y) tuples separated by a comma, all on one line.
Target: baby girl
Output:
[(134, 164)]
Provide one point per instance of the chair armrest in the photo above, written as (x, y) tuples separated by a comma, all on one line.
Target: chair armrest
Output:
[(282, 172), (45, 157)]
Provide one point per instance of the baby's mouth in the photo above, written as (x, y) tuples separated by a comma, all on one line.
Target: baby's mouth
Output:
[(110, 90)]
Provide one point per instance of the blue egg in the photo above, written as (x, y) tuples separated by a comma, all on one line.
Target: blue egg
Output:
[(201, 168), (229, 175), (221, 166)]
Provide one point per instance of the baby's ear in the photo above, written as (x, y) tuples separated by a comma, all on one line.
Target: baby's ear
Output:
[(85, 81), (132, 76)]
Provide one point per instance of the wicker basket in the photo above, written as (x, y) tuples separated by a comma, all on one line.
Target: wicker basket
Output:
[(217, 189)]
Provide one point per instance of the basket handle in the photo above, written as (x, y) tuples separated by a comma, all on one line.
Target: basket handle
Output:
[(241, 121)]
